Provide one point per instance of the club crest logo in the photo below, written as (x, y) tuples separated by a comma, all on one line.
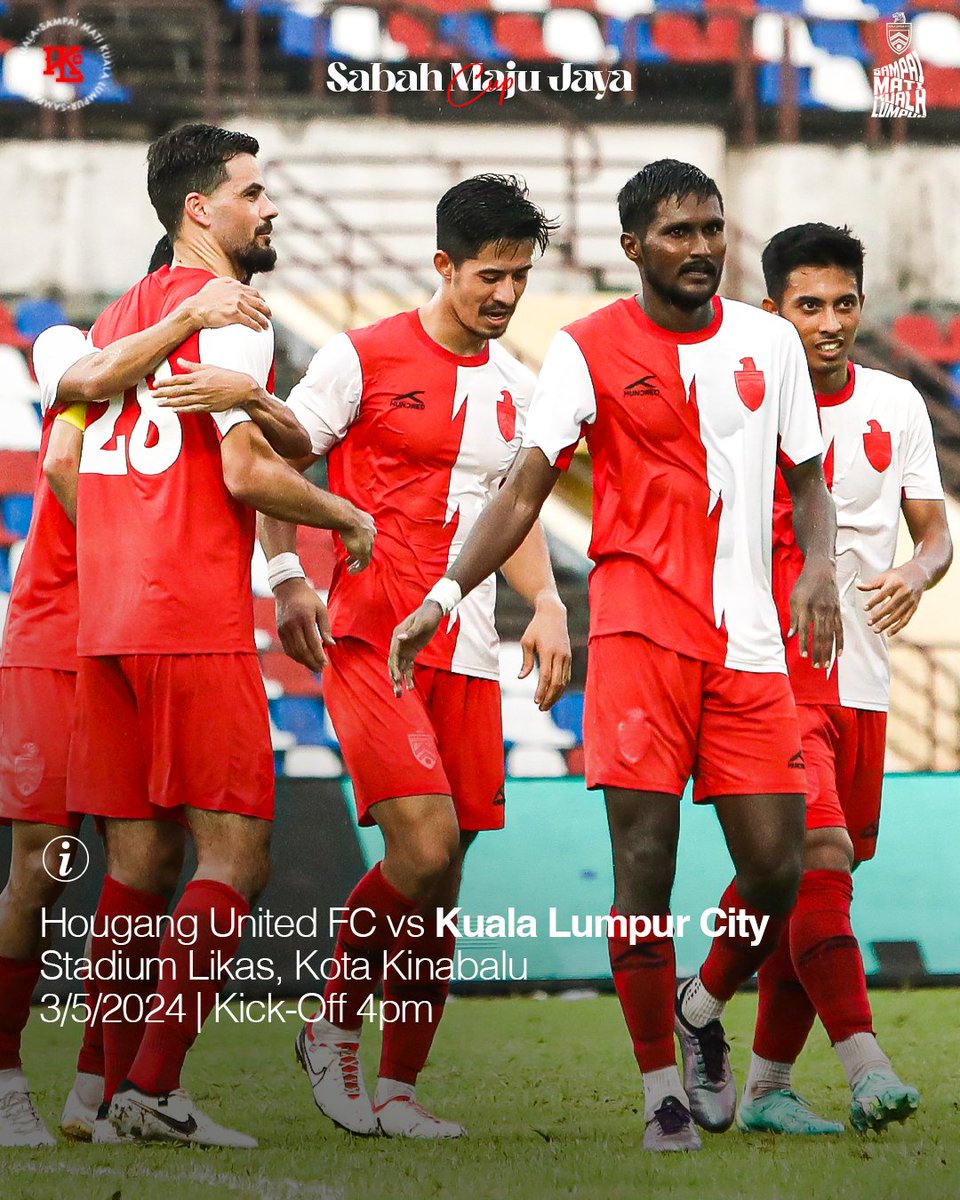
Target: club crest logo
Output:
[(751, 386), (877, 446), (424, 749), (507, 416), (28, 768), (899, 33)]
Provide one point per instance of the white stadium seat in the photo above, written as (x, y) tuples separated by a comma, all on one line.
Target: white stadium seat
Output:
[(768, 40), (936, 39), (15, 379), (535, 762), (524, 723), (19, 424), (281, 739), (841, 84), (14, 555), (840, 10), (623, 10), (573, 35), (525, 6), (258, 573), (316, 762), (511, 660)]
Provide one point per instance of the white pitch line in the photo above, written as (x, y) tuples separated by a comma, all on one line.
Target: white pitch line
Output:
[(260, 1185)]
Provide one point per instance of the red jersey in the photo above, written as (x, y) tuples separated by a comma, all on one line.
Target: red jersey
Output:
[(163, 548), (41, 629), (420, 438), (684, 432)]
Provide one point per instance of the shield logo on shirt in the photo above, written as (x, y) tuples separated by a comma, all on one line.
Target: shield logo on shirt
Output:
[(424, 749), (28, 768), (877, 446), (507, 416), (751, 386)]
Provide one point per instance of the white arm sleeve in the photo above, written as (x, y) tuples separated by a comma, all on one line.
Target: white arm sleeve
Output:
[(563, 402), (921, 473), (799, 427), (54, 353), (238, 349), (327, 399)]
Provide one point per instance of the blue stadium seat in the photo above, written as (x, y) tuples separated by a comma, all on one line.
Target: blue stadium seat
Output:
[(34, 316), (16, 510), (92, 67), (567, 714), (838, 37), (784, 6), (768, 86), (633, 38), (5, 581), (303, 36), (953, 372), (472, 30), (303, 717), (685, 6), (266, 8)]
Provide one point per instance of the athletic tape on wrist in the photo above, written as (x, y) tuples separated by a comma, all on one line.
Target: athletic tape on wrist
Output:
[(446, 593), (282, 567)]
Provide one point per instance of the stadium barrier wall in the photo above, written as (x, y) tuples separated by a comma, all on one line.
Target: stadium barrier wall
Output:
[(554, 853)]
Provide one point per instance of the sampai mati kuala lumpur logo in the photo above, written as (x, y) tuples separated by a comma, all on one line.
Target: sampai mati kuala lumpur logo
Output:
[(64, 64), (898, 89)]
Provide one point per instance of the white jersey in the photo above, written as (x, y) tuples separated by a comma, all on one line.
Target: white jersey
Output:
[(879, 452)]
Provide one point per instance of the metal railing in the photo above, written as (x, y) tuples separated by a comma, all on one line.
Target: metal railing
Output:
[(924, 722)]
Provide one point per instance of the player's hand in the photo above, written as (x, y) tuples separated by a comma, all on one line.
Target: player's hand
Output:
[(204, 389), (546, 639), (896, 598), (227, 302), (303, 624), (409, 638), (357, 537), (815, 612)]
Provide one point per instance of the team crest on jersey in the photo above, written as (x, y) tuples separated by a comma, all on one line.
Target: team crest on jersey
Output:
[(507, 416), (28, 768), (751, 386), (424, 749), (877, 446)]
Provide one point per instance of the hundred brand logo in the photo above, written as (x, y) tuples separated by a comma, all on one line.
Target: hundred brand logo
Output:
[(64, 64)]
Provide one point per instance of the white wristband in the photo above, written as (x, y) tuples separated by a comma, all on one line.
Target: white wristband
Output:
[(446, 593), (282, 567)]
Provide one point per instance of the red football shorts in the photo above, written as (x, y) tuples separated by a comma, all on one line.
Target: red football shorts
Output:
[(844, 751), (36, 718), (442, 739), (159, 731), (653, 717)]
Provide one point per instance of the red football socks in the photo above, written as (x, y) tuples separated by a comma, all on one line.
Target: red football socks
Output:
[(407, 1042), (732, 959), (18, 978), (184, 1002), (124, 1019), (785, 1013), (826, 955), (374, 933), (645, 976)]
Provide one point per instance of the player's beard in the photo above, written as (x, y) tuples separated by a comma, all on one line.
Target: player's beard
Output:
[(672, 294), (255, 258)]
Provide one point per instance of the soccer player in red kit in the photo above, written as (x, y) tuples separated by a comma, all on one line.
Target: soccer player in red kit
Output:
[(687, 402), (172, 723), (880, 462), (38, 668), (420, 417)]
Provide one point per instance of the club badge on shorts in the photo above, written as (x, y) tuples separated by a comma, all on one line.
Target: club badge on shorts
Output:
[(751, 386), (28, 768), (424, 749)]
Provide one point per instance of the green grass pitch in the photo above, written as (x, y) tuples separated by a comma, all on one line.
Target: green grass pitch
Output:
[(551, 1097)]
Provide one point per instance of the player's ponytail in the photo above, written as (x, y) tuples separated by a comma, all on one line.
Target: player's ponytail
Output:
[(162, 255)]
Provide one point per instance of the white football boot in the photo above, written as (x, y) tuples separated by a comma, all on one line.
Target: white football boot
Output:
[(336, 1080), (170, 1118)]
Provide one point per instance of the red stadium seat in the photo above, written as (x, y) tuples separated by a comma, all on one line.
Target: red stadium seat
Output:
[(943, 86), (920, 333), (18, 471), (521, 36), (589, 5), (723, 39), (294, 679), (746, 6), (265, 615), (681, 38), (9, 334), (953, 339), (417, 36)]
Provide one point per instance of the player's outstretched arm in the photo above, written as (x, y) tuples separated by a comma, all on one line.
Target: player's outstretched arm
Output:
[(302, 621), (497, 534), (815, 602), (211, 389), (61, 463), (897, 592), (107, 373), (545, 640), (255, 475)]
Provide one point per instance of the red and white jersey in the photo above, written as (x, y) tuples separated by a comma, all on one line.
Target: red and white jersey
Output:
[(420, 438), (163, 549), (879, 452), (684, 431), (41, 627)]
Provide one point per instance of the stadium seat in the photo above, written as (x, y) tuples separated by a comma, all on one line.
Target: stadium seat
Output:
[(265, 616), (303, 35), (567, 714), (34, 316), (784, 6), (18, 471), (303, 717), (280, 739), (573, 35), (633, 39), (523, 6), (953, 339), (312, 762), (111, 92), (535, 762), (522, 37), (681, 38), (575, 761), (16, 382), (679, 6), (524, 723), (841, 84), (19, 423), (625, 10), (356, 33), (416, 36), (943, 87), (16, 511), (921, 333), (953, 372), (768, 86), (472, 31), (511, 660), (294, 679), (14, 554), (840, 10), (266, 8), (6, 580), (258, 573), (768, 41), (936, 39), (9, 334), (840, 38)]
